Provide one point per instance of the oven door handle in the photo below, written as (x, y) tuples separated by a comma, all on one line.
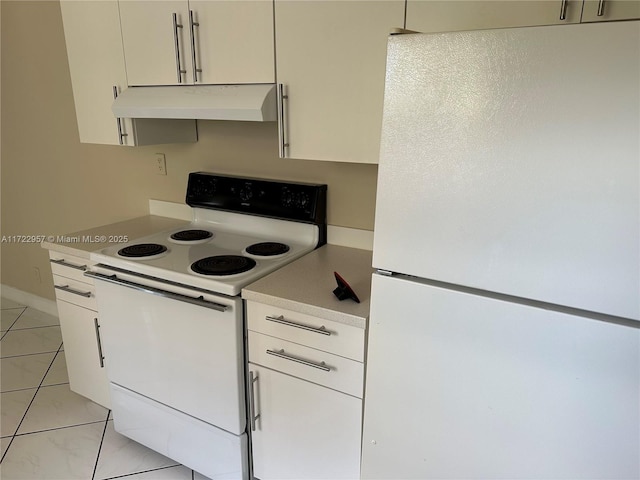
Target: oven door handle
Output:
[(200, 301)]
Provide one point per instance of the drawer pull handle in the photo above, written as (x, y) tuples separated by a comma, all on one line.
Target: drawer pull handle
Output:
[(280, 354), (70, 265), (321, 330), (253, 378), (65, 288), (100, 355)]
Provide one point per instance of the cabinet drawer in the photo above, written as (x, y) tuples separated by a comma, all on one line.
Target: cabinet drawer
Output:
[(319, 367), (69, 266), (77, 293), (337, 338)]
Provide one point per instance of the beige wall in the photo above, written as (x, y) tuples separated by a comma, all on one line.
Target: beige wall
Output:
[(51, 184)]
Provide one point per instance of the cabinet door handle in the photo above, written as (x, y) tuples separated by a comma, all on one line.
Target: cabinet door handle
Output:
[(194, 56), (253, 378), (321, 330), (100, 356), (283, 144), (121, 134), (280, 354), (563, 10), (70, 265), (176, 44), (66, 288), (600, 8)]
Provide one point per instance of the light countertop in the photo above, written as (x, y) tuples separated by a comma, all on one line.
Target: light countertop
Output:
[(84, 242), (306, 285)]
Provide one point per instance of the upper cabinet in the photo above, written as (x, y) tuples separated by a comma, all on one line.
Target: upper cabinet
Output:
[(447, 16), (605, 10), (96, 65), (331, 59), (97, 69), (198, 41)]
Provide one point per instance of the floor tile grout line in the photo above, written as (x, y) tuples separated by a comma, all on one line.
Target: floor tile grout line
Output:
[(104, 432), (34, 396), (30, 328), (146, 471), (14, 308), (32, 388), (7, 449), (24, 309), (4, 334), (27, 354), (15, 433), (30, 354), (58, 428)]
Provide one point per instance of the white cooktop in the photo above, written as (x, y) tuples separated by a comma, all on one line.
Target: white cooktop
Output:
[(232, 234)]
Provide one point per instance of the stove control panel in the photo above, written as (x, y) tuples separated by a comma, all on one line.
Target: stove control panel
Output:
[(303, 202)]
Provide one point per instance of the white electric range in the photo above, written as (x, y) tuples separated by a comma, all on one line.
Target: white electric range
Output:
[(172, 322)]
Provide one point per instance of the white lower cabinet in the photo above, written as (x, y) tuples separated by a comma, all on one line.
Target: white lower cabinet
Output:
[(80, 325), (306, 383), (80, 334), (303, 430)]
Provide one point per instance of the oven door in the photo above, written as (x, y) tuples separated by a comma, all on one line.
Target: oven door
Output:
[(182, 348)]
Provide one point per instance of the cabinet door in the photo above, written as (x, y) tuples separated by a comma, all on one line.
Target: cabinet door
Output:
[(304, 431), (149, 37), (96, 65), (605, 10), (331, 57), (233, 42), (87, 375), (446, 16)]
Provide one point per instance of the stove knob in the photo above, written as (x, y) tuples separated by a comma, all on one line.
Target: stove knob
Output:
[(287, 197), (303, 200), (246, 193)]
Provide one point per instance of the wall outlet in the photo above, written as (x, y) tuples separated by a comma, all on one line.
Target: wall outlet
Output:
[(161, 164)]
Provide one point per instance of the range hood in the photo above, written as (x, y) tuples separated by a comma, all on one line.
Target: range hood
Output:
[(253, 103)]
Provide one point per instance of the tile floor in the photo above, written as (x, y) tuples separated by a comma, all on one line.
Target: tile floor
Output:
[(48, 431)]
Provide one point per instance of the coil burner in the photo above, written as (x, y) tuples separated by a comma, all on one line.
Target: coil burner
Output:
[(267, 249), (142, 250), (223, 265), (191, 235)]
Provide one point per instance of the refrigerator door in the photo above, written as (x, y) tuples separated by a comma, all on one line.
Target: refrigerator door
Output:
[(510, 163), (463, 386)]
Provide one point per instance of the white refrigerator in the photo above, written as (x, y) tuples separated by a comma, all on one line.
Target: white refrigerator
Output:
[(504, 336)]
